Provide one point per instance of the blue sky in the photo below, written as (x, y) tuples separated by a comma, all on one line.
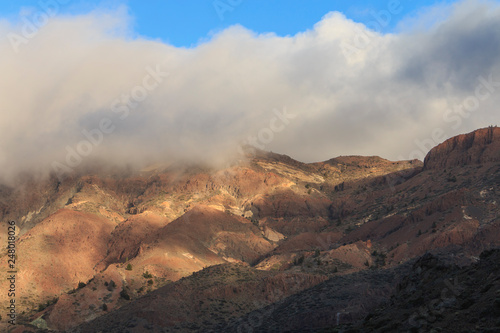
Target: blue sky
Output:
[(186, 22)]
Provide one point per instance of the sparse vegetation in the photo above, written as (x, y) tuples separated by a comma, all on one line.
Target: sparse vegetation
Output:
[(43, 306), (111, 285), (124, 294), (451, 178), (379, 258), (313, 228), (299, 261)]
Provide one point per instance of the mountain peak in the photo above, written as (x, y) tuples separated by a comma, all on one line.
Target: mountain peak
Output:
[(479, 146)]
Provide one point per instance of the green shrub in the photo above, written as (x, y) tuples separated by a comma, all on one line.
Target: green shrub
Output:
[(124, 294), (129, 267), (111, 285), (299, 261)]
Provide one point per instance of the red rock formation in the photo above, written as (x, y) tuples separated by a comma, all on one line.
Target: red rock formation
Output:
[(57, 254), (480, 146), (328, 219)]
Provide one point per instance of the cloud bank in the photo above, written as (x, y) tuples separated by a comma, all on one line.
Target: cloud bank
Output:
[(81, 88)]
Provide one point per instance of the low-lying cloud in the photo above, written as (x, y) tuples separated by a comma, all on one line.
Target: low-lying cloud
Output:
[(82, 85)]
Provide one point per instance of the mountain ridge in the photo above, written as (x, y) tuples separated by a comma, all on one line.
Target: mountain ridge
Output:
[(269, 214), (479, 146)]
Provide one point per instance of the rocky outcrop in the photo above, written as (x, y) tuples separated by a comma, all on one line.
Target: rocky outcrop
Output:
[(480, 146)]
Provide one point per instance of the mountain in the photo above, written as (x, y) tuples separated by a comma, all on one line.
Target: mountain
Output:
[(432, 294), (266, 243), (441, 296), (481, 146)]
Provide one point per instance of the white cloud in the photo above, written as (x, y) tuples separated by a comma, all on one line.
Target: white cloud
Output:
[(375, 102)]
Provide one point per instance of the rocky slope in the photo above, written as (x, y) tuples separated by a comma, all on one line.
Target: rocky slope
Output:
[(481, 146), (202, 300), (117, 240), (442, 297), (340, 299), (430, 294)]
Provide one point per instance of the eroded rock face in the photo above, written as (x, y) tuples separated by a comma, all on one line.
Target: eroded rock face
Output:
[(57, 254), (480, 146), (270, 221)]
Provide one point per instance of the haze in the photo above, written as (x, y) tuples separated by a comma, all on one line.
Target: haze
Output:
[(344, 89)]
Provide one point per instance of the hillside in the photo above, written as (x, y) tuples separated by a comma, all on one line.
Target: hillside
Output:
[(192, 247)]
